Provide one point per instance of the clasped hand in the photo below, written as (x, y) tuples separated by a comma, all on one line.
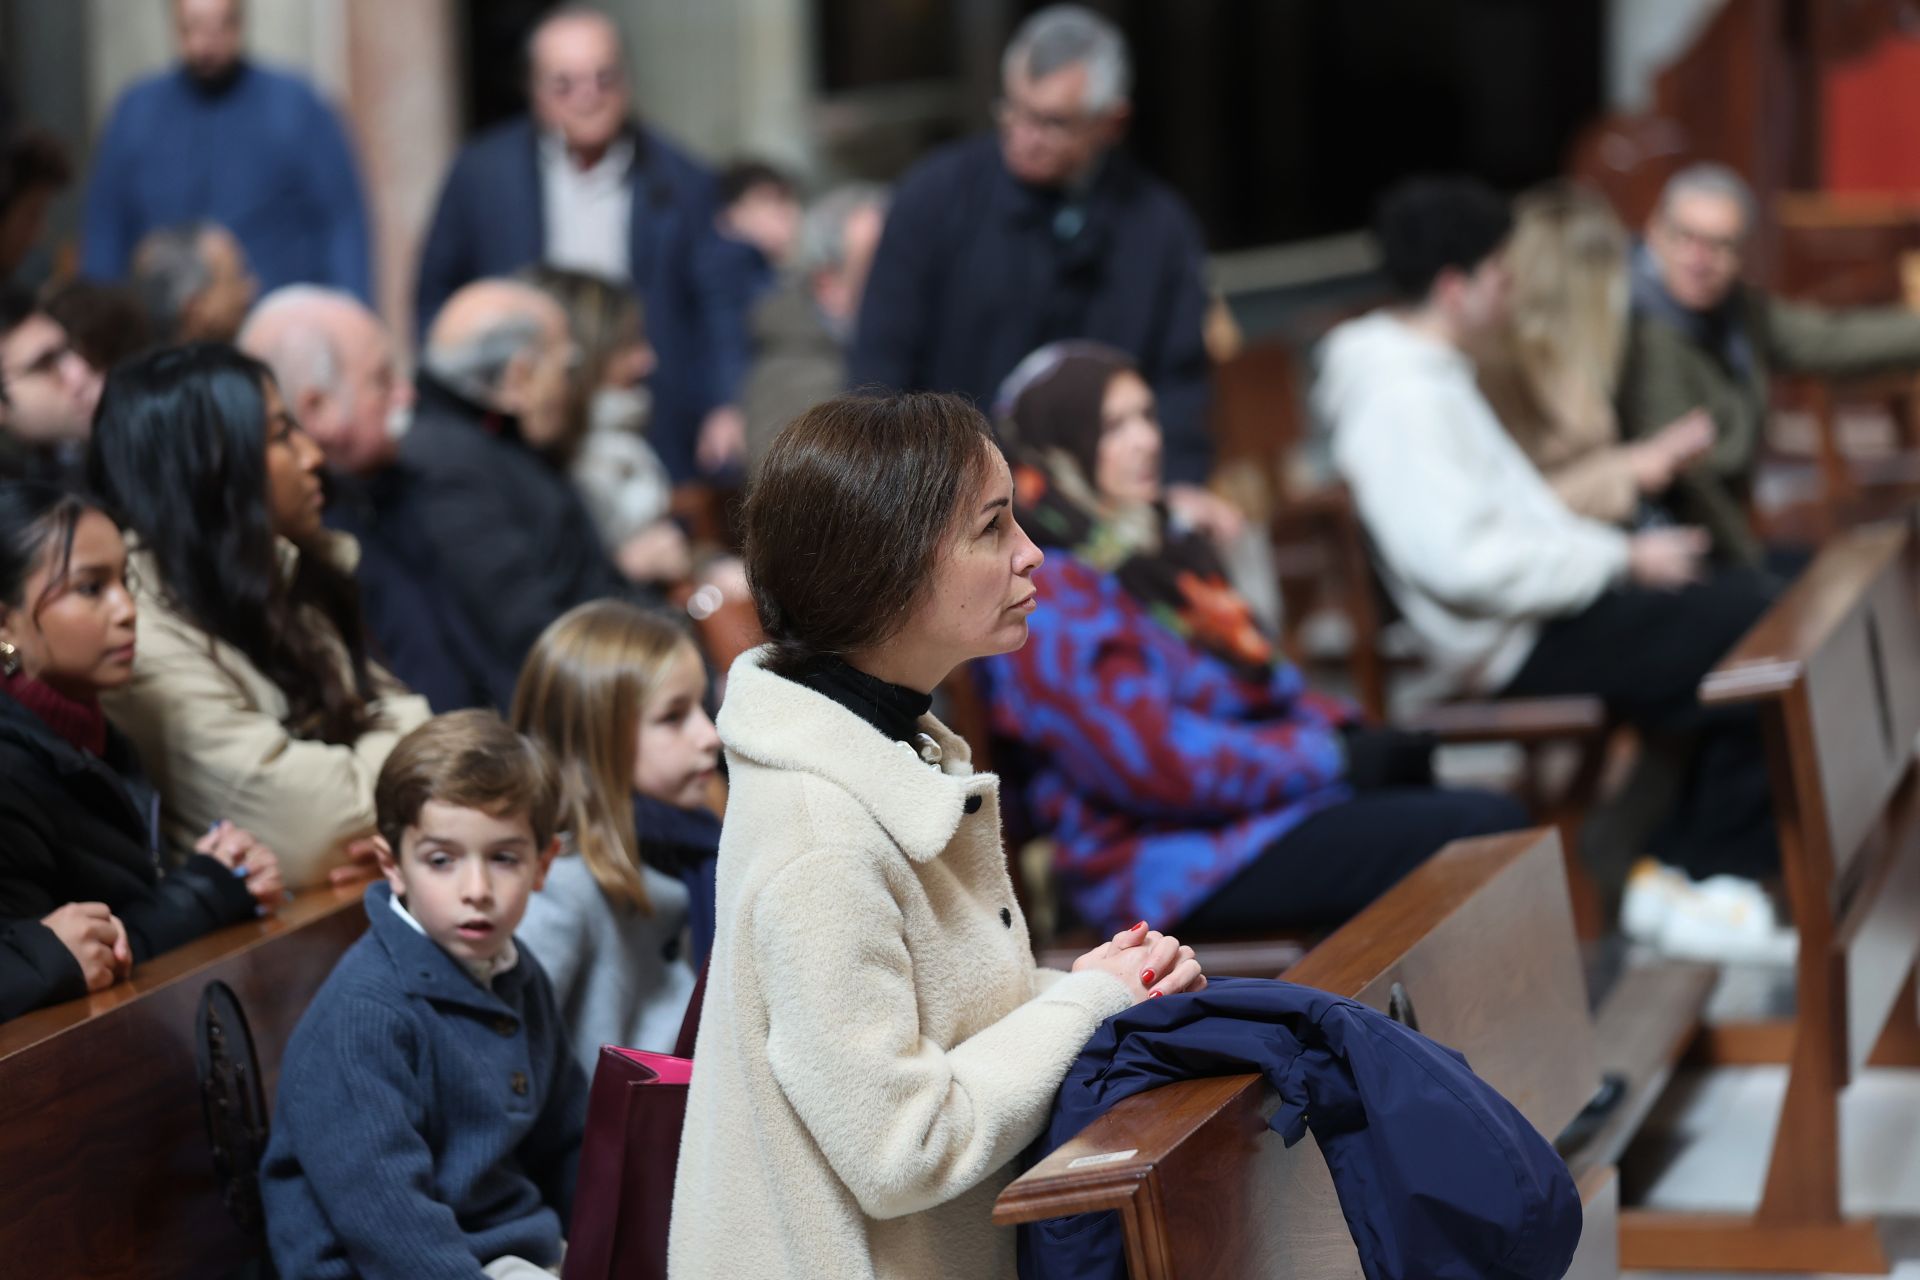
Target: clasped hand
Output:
[(1151, 963)]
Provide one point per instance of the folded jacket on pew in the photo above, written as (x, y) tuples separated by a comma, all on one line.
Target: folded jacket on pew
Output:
[(1438, 1175)]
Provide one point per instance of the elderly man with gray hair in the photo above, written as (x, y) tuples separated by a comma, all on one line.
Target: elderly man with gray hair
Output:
[(800, 330), (1701, 337), (515, 543), (1045, 230)]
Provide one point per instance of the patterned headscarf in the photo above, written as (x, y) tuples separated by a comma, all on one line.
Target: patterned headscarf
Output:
[(1049, 415)]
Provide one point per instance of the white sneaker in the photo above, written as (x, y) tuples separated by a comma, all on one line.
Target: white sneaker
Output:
[(1719, 920), (1653, 891)]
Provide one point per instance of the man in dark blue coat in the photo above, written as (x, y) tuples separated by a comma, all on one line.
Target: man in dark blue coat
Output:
[(578, 184), (995, 246), (223, 140)]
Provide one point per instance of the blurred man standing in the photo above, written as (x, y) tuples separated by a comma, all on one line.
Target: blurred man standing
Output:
[(998, 245), (225, 140), (580, 184)]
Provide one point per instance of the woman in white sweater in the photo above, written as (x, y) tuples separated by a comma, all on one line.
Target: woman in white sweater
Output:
[(877, 1045)]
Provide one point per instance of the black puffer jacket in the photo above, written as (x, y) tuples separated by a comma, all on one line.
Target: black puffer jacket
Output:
[(76, 828)]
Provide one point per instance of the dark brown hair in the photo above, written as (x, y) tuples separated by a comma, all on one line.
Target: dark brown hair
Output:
[(851, 509), (472, 760)]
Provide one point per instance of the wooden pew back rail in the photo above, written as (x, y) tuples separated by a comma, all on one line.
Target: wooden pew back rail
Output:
[(1480, 942)]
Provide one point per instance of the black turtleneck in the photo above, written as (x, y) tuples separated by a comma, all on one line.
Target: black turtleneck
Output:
[(892, 709)]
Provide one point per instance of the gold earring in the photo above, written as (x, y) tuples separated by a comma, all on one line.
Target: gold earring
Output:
[(9, 658)]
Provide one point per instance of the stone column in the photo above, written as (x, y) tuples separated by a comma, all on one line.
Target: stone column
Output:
[(402, 108)]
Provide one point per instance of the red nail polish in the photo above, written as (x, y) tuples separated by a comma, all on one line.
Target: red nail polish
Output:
[(1154, 995), (1146, 977), (1138, 927)]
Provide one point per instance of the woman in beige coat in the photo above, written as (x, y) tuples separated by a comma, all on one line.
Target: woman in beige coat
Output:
[(1552, 371), (253, 698), (877, 1046)]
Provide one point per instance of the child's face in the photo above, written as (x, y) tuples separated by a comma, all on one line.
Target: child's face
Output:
[(465, 875), (678, 747)]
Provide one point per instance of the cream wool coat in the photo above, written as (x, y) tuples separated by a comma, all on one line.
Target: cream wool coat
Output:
[(877, 1045), (210, 729)]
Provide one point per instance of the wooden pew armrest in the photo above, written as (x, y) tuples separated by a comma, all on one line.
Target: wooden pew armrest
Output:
[(1118, 1152), (1521, 720)]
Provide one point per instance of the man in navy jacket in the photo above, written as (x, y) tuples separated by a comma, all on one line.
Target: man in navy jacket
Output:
[(220, 139), (996, 246), (578, 184)]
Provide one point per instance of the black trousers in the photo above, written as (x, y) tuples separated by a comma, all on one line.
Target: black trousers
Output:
[(1644, 653), (1342, 858)]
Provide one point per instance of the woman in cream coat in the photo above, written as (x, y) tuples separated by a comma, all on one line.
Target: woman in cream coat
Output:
[(253, 697), (877, 1046)]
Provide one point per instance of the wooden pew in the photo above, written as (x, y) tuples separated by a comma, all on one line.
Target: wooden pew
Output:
[(1834, 668), (1479, 943), (108, 1169)]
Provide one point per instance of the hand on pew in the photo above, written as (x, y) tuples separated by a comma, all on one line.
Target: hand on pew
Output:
[(1151, 963), (97, 940), (240, 852), (362, 864)]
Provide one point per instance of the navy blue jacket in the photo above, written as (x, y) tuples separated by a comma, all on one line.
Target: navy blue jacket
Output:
[(424, 1125), (266, 158), (972, 275), (1439, 1177), (418, 626), (491, 221)]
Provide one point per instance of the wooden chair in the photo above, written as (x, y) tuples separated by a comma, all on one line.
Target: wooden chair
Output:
[(1480, 943), (1834, 669), (110, 1172)]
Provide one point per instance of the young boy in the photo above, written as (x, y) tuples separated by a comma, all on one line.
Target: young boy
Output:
[(429, 1114)]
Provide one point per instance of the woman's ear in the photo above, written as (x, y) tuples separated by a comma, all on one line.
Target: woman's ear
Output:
[(545, 860)]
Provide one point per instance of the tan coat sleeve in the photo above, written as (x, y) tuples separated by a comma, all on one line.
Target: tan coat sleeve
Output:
[(1815, 340), (218, 752)]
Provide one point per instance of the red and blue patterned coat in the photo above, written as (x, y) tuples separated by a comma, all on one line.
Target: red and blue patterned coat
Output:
[(1160, 770)]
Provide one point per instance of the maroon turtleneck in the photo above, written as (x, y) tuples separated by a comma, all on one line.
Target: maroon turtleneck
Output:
[(83, 724)]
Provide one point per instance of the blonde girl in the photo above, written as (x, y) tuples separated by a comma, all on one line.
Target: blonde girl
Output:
[(616, 694), (1551, 375)]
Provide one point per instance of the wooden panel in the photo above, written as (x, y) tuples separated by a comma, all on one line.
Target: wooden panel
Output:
[(1882, 940), (1495, 974), (1481, 938), (1773, 655), (100, 1102)]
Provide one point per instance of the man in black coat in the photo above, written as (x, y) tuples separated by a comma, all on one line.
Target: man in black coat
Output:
[(996, 246), (513, 540), (578, 184)]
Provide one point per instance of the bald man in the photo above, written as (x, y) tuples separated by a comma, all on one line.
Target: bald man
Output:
[(578, 183), (514, 542), (334, 362)]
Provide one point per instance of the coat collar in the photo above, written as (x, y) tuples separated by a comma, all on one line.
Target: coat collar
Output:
[(774, 722), (427, 971)]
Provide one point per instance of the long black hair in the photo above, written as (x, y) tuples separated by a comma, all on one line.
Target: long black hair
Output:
[(180, 452)]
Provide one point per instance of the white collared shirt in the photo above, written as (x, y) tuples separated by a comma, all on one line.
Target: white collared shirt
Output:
[(589, 212)]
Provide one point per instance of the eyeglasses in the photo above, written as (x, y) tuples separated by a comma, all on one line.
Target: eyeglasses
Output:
[(563, 85), (1010, 113), (1721, 246)]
